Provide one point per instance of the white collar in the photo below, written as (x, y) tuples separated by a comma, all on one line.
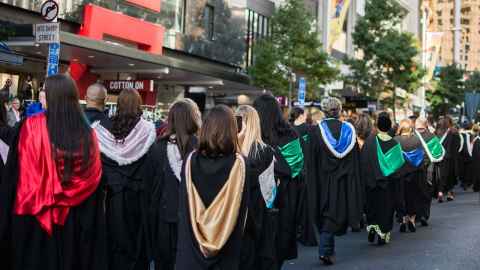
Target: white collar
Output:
[(134, 147), (462, 142), (337, 154), (424, 144), (444, 136), (471, 144)]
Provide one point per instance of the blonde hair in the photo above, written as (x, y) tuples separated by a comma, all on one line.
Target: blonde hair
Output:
[(405, 126), (252, 135)]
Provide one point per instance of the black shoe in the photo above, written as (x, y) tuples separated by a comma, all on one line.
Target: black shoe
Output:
[(403, 227), (411, 227), (449, 199), (424, 222), (327, 260), (371, 235), (381, 242)]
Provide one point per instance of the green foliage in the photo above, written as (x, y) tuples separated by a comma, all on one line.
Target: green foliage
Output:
[(473, 82), (389, 55), (448, 92), (293, 46)]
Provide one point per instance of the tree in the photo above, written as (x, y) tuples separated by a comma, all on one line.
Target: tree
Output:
[(472, 84), (389, 54), (448, 92), (292, 48)]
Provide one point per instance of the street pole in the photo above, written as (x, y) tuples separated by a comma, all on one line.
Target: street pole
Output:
[(424, 61), (457, 33)]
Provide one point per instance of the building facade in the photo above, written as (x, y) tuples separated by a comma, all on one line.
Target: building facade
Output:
[(442, 20), (194, 48)]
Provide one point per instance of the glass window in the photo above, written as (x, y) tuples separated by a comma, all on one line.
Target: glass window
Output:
[(208, 21)]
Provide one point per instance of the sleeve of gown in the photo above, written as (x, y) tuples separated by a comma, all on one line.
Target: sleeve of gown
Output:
[(356, 191), (312, 164), (8, 187)]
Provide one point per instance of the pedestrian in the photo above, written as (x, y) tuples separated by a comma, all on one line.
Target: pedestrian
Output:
[(364, 128), (471, 161), (125, 141), (474, 152), (51, 207), (213, 198), (306, 230), (333, 165), (169, 152), (411, 174), (381, 158), (14, 114), (96, 97), (6, 88), (434, 153), (277, 133), (7, 134), (450, 140), (258, 248)]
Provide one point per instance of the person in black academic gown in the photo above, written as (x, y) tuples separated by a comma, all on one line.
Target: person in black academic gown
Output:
[(306, 230), (125, 142), (381, 158), (411, 174), (258, 250), (168, 154), (333, 165), (54, 152), (450, 139), (473, 154), (213, 198), (277, 133)]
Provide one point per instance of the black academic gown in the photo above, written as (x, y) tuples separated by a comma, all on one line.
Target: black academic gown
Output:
[(163, 205), (335, 188), (258, 248), (384, 194), (209, 175), (126, 209), (429, 186), (306, 230), (461, 161), (286, 203), (448, 177), (78, 245), (469, 162), (476, 165), (411, 177)]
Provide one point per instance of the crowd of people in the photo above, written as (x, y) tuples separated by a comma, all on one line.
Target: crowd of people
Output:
[(226, 190)]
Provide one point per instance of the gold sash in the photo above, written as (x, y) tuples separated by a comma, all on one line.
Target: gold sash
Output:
[(213, 226)]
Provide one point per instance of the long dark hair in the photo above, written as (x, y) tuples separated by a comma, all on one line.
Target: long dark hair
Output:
[(295, 113), (183, 123), (67, 126), (218, 136), (272, 122), (129, 112)]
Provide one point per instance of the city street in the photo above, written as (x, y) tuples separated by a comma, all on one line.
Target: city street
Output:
[(450, 242)]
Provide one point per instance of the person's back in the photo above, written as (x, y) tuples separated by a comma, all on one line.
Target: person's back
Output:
[(52, 198), (95, 108), (213, 198), (125, 142)]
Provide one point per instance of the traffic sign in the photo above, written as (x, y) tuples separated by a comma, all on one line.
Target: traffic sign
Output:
[(302, 85), (47, 33), (53, 58), (49, 10)]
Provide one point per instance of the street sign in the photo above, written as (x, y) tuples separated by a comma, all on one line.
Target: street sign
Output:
[(47, 33), (53, 58), (49, 10), (302, 85)]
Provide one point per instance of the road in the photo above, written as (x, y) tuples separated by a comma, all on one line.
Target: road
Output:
[(451, 242)]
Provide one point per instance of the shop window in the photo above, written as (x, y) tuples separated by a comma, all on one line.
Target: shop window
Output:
[(209, 22)]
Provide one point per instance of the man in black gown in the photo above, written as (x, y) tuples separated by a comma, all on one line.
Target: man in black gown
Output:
[(333, 164)]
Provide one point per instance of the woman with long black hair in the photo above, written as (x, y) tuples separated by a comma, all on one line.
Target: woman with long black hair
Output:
[(125, 142), (277, 133), (213, 198), (169, 152), (51, 208)]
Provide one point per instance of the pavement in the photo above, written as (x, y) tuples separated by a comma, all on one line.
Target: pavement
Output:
[(451, 242)]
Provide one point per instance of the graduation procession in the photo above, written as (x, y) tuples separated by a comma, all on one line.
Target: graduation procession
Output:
[(242, 188)]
